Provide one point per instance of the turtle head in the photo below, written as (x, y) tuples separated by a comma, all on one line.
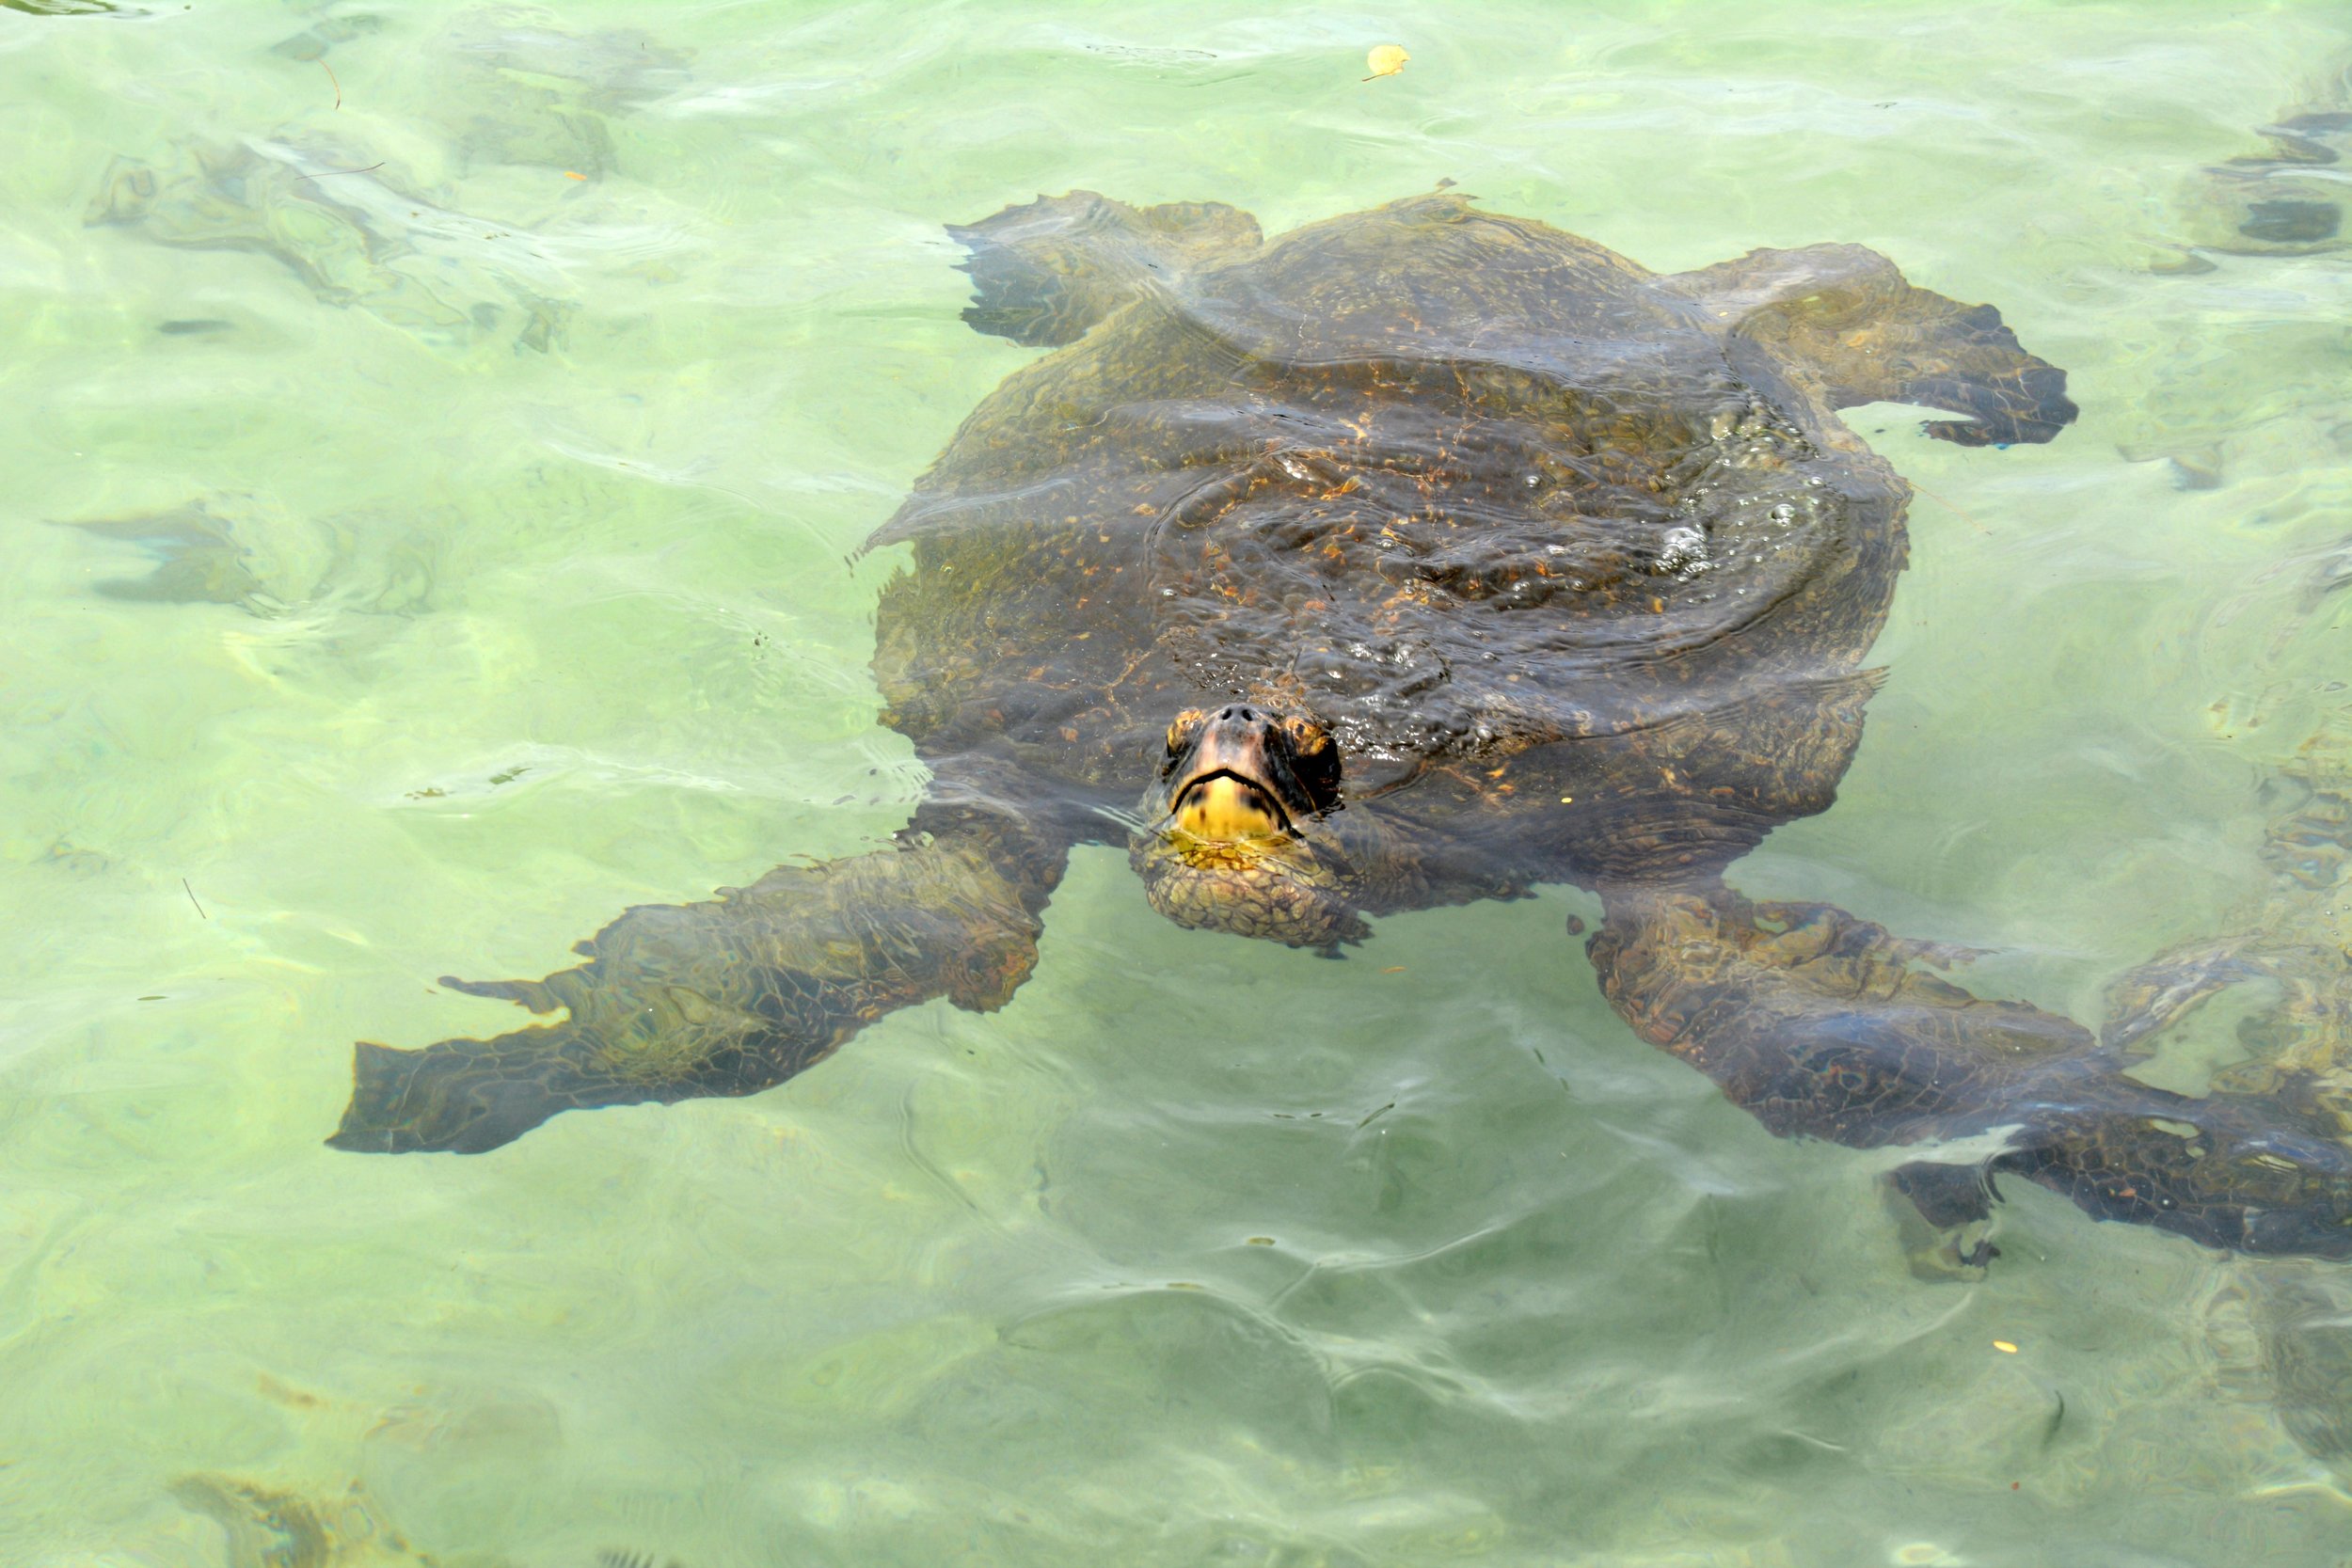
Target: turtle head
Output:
[(1232, 837)]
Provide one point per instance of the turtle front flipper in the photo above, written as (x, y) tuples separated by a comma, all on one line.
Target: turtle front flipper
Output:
[(1044, 272), (1841, 321), (1944, 1215), (727, 997), (1824, 1025)]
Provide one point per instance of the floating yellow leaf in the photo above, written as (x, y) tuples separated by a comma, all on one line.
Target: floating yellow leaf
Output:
[(1385, 60), (2005, 1346)]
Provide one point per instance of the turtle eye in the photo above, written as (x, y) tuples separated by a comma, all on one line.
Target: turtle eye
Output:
[(1186, 725), (1314, 761)]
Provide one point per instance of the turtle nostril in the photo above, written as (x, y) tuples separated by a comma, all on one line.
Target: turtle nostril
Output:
[(1240, 713)]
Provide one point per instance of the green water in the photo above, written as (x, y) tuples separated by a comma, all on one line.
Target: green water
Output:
[(471, 560)]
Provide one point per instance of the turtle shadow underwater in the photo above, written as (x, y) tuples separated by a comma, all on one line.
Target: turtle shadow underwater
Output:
[(1417, 556)]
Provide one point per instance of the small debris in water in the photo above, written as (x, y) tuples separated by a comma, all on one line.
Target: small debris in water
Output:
[(324, 173), (2005, 1346), (1385, 60)]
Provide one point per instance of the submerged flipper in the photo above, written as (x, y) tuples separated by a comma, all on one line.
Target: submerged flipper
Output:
[(728, 997), (2305, 1319), (1822, 1025), (1943, 1213), (1043, 273), (1841, 319)]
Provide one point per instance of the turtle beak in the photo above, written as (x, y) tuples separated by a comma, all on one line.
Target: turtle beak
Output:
[(1225, 805)]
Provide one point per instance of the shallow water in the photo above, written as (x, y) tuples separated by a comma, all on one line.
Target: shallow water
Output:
[(440, 436)]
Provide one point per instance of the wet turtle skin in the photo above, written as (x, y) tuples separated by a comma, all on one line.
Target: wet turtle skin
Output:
[(1551, 569)]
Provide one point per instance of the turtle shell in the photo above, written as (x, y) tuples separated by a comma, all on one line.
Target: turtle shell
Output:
[(1523, 525)]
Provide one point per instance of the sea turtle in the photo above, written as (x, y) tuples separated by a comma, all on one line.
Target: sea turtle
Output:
[(2196, 407), (430, 239), (352, 232), (1415, 557), (2284, 201), (505, 87)]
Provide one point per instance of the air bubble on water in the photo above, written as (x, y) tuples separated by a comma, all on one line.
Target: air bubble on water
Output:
[(1683, 552)]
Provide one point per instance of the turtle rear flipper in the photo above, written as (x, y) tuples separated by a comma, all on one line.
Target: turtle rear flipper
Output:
[(2304, 1317), (1044, 272), (727, 997), (1842, 320), (1822, 1025)]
